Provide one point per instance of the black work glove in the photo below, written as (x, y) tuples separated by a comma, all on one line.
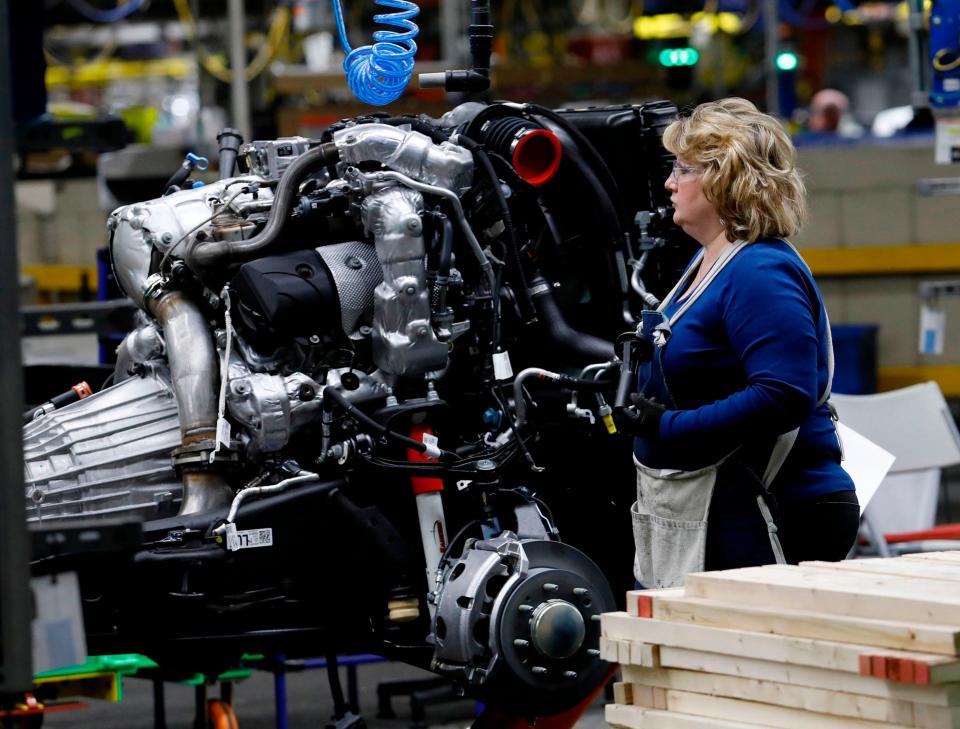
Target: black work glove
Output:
[(642, 418)]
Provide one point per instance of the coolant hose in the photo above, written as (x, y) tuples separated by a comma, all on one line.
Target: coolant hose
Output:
[(585, 347), (221, 252)]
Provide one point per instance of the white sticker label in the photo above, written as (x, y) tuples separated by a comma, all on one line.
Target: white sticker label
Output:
[(463, 484), (502, 369), (947, 141), (431, 440), (58, 636), (932, 325), (248, 538)]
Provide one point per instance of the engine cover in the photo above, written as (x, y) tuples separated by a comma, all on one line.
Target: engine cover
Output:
[(324, 293)]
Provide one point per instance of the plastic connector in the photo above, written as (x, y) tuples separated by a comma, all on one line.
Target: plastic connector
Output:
[(606, 415)]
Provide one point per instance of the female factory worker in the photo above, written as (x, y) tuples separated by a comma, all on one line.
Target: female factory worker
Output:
[(734, 398)]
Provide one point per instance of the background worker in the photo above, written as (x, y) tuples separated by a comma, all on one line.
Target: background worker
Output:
[(734, 399)]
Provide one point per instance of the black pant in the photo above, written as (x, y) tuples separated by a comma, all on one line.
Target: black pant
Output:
[(823, 528)]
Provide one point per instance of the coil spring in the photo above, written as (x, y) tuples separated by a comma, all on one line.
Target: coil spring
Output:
[(378, 74)]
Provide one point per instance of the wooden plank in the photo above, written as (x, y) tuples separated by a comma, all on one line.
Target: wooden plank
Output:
[(883, 597), (623, 692), (643, 654), (638, 717), (639, 602), (609, 650), (786, 649), (766, 715), (907, 568), (944, 640), (816, 677), (819, 700), (951, 557)]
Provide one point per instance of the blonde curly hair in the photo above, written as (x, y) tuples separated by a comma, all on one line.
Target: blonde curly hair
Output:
[(748, 167)]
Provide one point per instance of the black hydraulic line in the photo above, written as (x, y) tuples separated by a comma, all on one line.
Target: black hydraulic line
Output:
[(445, 259), (483, 159), (209, 253), (329, 393), (586, 346)]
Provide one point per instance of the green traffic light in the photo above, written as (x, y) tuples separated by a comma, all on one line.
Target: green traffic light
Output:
[(670, 57), (787, 61)]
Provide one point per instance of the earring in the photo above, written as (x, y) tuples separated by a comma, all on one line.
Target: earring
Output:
[(723, 222)]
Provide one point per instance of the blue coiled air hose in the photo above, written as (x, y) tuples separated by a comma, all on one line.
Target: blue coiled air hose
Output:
[(378, 74)]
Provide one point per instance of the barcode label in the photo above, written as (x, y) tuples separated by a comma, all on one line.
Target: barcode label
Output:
[(249, 539)]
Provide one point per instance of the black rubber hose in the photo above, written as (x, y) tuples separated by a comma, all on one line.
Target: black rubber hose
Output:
[(221, 252), (609, 182), (585, 346), (229, 141), (445, 260), (481, 156), (331, 394), (609, 216)]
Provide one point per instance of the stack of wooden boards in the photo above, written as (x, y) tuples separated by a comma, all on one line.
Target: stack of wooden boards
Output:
[(861, 644)]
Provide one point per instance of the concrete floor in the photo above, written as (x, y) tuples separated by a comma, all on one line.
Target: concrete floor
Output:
[(308, 704)]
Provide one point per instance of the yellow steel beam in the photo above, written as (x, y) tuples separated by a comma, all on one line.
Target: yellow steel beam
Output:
[(60, 277), (884, 260), (947, 376)]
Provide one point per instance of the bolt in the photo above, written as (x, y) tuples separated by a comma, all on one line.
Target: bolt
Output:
[(353, 262), (525, 608), (539, 670), (550, 587), (213, 300), (365, 330), (413, 224), (422, 332), (350, 139), (314, 339), (410, 290), (240, 387), (167, 238), (569, 674), (521, 643), (580, 590)]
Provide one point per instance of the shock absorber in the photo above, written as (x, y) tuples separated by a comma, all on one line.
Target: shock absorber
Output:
[(379, 73), (429, 510)]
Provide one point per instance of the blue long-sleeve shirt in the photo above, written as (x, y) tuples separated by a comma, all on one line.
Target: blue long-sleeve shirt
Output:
[(746, 362)]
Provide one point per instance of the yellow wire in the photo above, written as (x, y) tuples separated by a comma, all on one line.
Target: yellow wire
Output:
[(279, 24)]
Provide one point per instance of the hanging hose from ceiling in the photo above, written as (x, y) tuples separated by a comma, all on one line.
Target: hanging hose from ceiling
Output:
[(378, 74)]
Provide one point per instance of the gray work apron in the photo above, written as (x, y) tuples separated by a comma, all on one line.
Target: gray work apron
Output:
[(672, 508)]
